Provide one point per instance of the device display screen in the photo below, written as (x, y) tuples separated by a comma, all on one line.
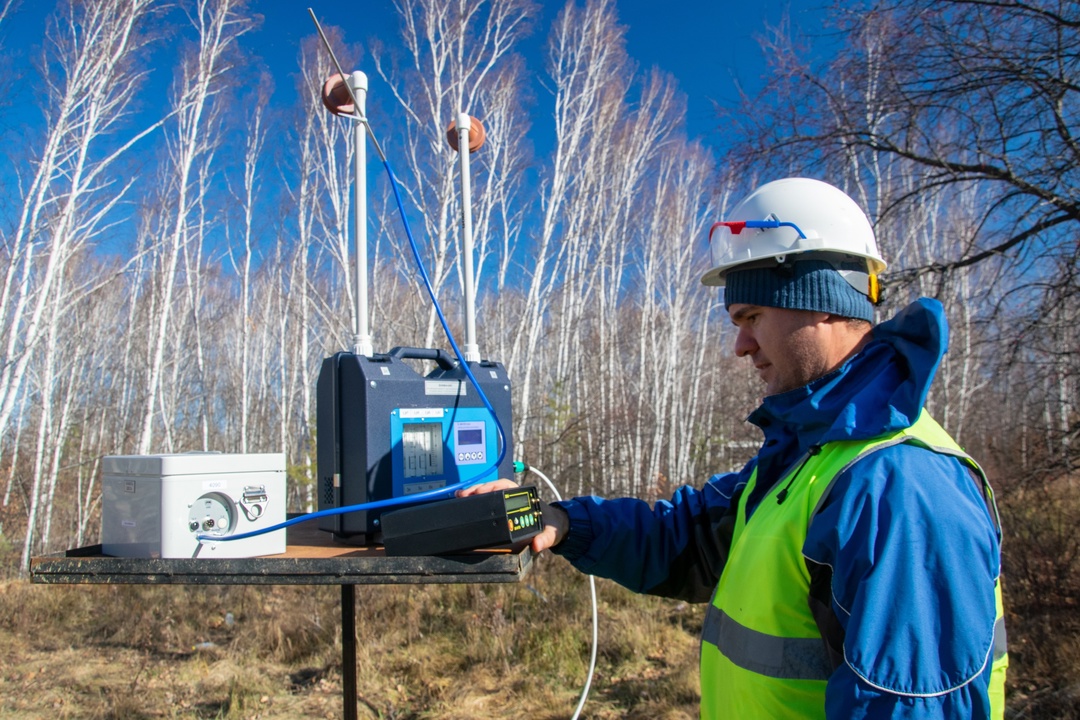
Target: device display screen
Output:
[(422, 449), (470, 436), (517, 501)]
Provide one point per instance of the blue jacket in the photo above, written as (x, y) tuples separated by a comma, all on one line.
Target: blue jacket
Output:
[(900, 567)]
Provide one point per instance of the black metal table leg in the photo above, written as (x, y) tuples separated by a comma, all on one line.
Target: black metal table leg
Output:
[(348, 650)]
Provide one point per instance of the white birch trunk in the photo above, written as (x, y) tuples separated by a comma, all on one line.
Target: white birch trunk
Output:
[(219, 26)]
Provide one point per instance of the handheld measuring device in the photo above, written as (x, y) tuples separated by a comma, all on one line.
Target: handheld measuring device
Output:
[(504, 518)]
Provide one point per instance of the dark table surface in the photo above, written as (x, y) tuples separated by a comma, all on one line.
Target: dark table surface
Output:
[(311, 557)]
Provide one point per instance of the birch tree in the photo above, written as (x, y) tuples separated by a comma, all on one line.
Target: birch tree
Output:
[(306, 318), (592, 219), (326, 210), (674, 331), (462, 52), (584, 52), (219, 24), (65, 373), (254, 141), (975, 95), (90, 74)]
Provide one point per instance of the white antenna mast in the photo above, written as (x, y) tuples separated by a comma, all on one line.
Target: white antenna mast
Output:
[(346, 96), (362, 335), (467, 132)]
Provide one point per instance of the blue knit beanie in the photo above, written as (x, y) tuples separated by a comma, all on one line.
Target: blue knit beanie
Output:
[(800, 285)]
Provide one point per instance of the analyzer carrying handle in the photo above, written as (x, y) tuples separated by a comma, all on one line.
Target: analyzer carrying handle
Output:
[(444, 359)]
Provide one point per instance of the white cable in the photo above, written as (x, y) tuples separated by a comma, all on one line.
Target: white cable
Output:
[(592, 591)]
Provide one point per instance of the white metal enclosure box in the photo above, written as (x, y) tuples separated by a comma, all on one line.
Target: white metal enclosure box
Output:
[(155, 506)]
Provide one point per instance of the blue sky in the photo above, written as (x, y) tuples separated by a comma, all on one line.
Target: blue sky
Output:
[(706, 46)]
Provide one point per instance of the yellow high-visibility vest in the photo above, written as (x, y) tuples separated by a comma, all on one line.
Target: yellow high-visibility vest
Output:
[(762, 655)]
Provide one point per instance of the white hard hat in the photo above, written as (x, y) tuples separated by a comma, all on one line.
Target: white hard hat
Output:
[(791, 216)]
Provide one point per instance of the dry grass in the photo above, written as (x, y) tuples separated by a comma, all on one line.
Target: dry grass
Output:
[(1041, 566), (1042, 597), (1044, 674), (464, 651), (468, 651)]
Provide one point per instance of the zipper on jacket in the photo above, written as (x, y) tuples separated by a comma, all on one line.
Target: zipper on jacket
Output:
[(810, 452)]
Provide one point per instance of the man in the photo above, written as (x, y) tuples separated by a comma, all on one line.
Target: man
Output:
[(853, 564)]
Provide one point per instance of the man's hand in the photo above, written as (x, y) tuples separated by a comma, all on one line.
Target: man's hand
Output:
[(556, 521)]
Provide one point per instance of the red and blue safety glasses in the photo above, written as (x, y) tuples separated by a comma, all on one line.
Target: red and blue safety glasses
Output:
[(737, 226)]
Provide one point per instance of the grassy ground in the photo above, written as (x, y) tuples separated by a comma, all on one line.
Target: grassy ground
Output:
[(274, 652), (465, 651)]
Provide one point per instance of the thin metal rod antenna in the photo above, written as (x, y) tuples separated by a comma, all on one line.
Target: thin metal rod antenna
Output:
[(358, 115)]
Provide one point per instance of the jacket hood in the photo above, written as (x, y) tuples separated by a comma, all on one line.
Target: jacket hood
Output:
[(881, 389)]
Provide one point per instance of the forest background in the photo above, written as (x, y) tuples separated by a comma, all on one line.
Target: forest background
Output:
[(172, 284)]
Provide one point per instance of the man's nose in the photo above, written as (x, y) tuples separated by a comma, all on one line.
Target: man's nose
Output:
[(745, 343)]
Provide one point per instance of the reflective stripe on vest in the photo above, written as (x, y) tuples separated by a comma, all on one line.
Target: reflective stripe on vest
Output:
[(762, 655), (777, 657)]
